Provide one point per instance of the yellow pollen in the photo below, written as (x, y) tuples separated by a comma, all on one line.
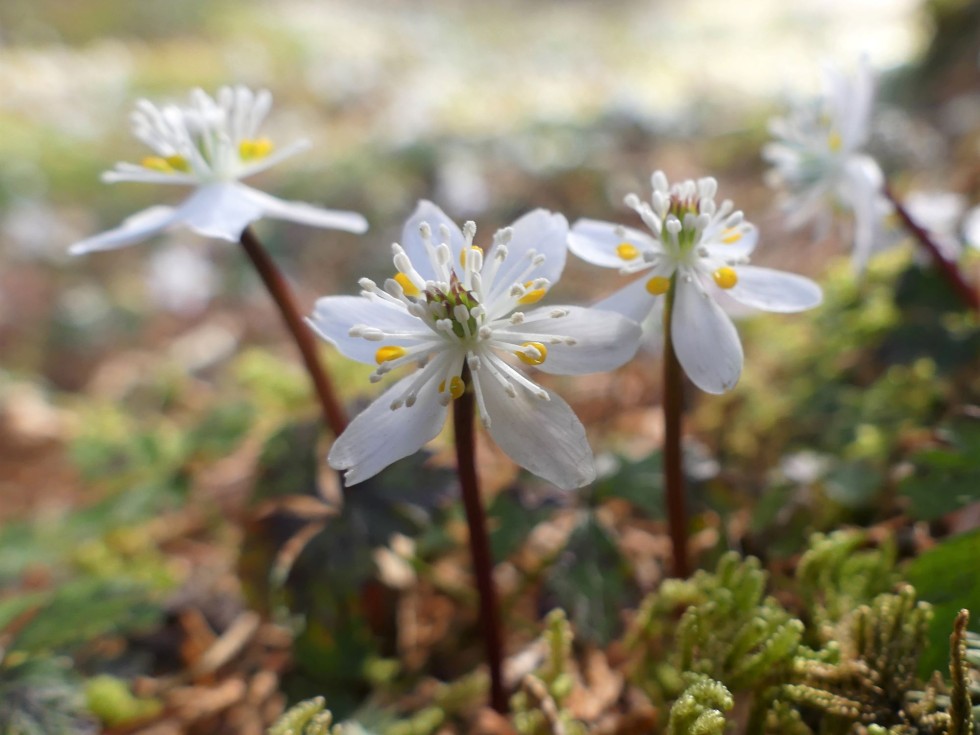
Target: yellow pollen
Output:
[(533, 359), (626, 251), (252, 148), (408, 287), (658, 285), (834, 141), (731, 235), (725, 277), (533, 296), (462, 255), (388, 353), (456, 386), (166, 165)]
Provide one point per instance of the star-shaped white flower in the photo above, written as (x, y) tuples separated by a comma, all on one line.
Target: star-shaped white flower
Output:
[(211, 145), (450, 305), (701, 251), (818, 159)]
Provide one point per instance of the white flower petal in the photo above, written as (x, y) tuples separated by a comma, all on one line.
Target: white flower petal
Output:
[(137, 227), (221, 210), (772, 290), (543, 437), (596, 242), (862, 186), (305, 214), (411, 240), (333, 317), (705, 340), (379, 436), (603, 340), (633, 301), (542, 231), (748, 238)]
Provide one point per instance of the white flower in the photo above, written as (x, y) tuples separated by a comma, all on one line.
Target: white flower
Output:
[(697, 251), (939, 213), (818, 158), (211, 144), (449, 305)]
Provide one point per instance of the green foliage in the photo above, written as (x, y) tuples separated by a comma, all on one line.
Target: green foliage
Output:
[(111, 700), (834, 576), (638, 481), (946, 577), (879, 653), (591, 579), (946, 477), (39, 696), (309, 717), (729, 630), (539, 705), (700, 709), (737, 635), (511, 520), (74, 614)]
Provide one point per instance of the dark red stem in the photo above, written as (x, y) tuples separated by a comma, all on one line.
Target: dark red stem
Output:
[(673, 405), (947, 268), (333, 413), (463, 414)]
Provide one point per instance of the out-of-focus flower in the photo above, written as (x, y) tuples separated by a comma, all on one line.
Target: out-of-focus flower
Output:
[(211, 145), (449, 307), (818, 159), (939, 213), (181, 279), (697, 252), (971, 228)]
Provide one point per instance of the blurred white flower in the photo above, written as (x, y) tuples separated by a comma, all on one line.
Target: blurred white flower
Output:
[(181, 279), (210, 144), (939, 213), (696, 252), (971, 228), (448, 307), (818, 159)]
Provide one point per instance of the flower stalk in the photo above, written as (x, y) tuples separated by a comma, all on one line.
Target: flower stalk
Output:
[(946, 267), (463, 415), (333, 414), (673, 406)]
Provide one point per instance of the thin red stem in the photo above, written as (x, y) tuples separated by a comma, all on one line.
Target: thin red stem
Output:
[(673, 405), (275, 283), (463, 414), (947, 268)]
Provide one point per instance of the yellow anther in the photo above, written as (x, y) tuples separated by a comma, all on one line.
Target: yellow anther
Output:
[(533, 359), (408, 287), (834, 141), (731, 235), (252, 148), (388, 353), (725, 277), (533, 296), (166, 165), (626, 251), (462, 254), (456, 387), (658, 285)]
